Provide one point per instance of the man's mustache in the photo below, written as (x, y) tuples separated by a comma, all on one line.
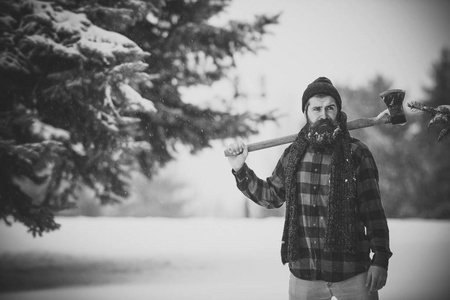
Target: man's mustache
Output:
[(324, 124), (323, 132)]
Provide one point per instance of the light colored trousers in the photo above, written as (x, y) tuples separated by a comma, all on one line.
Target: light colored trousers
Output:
[(351, 289)]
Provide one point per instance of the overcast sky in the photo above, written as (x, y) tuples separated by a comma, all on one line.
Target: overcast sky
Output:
[(349, 41)]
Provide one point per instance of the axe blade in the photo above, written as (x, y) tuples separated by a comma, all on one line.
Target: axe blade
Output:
[(394, 101)]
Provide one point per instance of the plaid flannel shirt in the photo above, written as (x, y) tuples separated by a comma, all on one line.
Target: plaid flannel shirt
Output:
[(313, 177)]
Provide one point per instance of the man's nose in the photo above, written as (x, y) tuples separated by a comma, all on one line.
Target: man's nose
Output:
[(322, 114)]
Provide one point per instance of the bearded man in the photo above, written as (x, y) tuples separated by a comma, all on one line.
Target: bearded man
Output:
[(335, 237)]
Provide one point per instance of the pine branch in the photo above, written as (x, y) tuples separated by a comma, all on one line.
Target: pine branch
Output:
[(17, 205), (440, 115), (420, 107)]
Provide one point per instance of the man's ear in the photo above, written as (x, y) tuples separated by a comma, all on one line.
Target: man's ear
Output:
[(306, 116)]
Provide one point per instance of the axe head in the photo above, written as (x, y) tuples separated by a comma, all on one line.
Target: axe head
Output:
[(394, 102)]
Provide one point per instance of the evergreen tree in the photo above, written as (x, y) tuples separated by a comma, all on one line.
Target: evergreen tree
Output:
[(90, 90), (439, 93), (434, 194)]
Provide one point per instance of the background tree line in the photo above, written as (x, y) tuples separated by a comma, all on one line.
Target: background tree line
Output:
[(414, 167)]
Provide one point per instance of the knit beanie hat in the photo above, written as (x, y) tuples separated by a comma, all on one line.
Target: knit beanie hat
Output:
[(321, 85)]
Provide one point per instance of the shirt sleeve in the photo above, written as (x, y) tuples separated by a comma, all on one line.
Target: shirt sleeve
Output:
[(268, 193), (371, 209)]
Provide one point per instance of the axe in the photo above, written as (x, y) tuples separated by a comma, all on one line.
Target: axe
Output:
[(394, 114)]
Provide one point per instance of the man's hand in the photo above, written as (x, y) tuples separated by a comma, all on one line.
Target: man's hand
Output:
[(240, 150), (376, 278)]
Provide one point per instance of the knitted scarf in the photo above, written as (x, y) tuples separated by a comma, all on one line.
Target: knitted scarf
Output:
[(341, 222)]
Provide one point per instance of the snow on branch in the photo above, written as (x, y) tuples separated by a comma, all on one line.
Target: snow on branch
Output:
[(134, 101), (48, 132), (74, 35), (37, 45)]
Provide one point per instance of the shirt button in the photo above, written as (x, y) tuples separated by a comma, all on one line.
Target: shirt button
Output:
[(315, 187), (315, 170)]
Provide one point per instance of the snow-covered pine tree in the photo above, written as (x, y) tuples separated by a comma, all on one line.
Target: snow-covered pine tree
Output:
[(89, 90), (431, 144)]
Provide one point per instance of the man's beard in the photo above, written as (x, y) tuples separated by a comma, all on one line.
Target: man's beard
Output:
[(323, 133)]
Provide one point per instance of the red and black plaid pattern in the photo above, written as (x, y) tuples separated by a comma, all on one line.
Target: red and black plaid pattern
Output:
[(313, 178)]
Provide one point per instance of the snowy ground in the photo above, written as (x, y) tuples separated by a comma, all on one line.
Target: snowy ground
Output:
[(154, 258)]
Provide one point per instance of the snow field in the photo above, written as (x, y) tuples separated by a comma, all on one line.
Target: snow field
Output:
[(199, 258)]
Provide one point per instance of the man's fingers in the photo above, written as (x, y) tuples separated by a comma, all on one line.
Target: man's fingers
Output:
[(370, 283), (375, 283), (381, 283), (236, 148), (369, 279), (243, 147)]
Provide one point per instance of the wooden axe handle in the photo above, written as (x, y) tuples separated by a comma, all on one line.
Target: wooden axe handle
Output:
[(382, 118)]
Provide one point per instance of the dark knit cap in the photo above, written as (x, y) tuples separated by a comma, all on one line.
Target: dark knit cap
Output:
[(321, 85)]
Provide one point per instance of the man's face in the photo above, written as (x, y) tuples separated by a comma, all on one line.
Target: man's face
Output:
[(321, 108)]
